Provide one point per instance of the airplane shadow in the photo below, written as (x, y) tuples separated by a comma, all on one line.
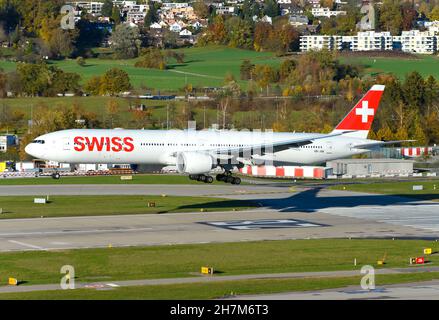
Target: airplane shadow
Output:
[(309, 201)]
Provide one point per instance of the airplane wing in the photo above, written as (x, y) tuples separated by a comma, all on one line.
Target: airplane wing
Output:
[(271, 146), (379, 144)]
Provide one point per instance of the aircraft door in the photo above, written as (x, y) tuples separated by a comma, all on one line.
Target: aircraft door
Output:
[(66, 144), (329, 147)]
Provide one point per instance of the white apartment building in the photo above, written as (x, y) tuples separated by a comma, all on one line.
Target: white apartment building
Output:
[(415, 41), (316, 43), (370, 41), (94, 8), (326, 12), (174, 5)]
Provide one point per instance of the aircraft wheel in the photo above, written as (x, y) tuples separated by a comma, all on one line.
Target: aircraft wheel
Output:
[(236, 181), (193, 177), (208, 179), (219, 177), (56, 176), (229, 179), (201, 178)]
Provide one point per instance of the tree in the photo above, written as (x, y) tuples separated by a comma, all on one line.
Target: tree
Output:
[(246, 70), (434, 14), (61, 44), (286, 68), (94, 85), (240, 33), (112, 109), (80, 61), (124, 41), (115, 81), (414, 89), (151, 58), (271, 8), (107, 8), (3, 80), (115, 15), (201, 9), (152, 15), (391, 16), (262, 33), (64, 82)]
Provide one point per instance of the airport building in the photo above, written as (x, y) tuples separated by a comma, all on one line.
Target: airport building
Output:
[(7, 141), (371, 167)]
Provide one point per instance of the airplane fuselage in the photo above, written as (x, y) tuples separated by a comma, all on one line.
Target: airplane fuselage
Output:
[(119, 146)]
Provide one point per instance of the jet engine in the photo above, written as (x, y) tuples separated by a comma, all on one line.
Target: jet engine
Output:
[(194, 163)]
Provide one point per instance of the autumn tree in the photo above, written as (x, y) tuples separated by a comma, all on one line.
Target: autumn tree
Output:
[(125, 41), (115, 81), (391, 17)]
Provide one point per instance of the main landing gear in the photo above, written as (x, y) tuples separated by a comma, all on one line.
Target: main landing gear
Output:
[(201, 178), (228, 178)]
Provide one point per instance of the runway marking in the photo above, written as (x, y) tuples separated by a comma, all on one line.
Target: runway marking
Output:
[(113, 285), (262, 224), (28, 245), (41, 233)]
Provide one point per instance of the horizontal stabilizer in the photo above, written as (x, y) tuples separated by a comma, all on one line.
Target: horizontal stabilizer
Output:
[(380, 144)]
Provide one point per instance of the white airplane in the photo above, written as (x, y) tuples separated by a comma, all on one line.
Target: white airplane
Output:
[(197, 153)]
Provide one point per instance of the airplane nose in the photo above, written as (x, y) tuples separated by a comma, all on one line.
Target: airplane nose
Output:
[(30, 150)]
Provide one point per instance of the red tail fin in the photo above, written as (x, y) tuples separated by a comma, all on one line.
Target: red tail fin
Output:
[(360, 118)]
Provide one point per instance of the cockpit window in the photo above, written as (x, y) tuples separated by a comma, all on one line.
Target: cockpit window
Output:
[(39, 141)]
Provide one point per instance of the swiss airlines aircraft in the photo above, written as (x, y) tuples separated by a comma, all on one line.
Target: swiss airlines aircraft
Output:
[(197, 153)]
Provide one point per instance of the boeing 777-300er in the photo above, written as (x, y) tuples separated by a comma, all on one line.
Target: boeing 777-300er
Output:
[(197, 153)]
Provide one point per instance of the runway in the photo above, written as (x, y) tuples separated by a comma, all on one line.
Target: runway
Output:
[(285, 213)]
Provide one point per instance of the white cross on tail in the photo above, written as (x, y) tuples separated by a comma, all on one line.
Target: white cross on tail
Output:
[(364, 112)]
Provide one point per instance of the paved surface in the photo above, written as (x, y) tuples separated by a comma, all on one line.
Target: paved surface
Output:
[(318, 213), (210, 279), (409, 291), (229, 191)]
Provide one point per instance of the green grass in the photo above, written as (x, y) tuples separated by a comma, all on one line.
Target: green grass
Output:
[(137, 179), (425, 65), (208, 66), (110, 264), (217, 289), (430, 192), (69, 206)]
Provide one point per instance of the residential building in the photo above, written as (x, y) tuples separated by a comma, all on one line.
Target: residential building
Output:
[(320, 42), (297, 21), (415, 41), (370, 41), (326, 12)]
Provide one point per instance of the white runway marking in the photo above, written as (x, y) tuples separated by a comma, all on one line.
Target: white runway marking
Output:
[(27, 245), (41, 233)]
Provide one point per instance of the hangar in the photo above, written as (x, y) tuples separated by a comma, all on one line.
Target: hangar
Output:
[(367, 167)]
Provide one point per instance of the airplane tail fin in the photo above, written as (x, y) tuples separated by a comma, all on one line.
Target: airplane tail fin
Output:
[(359, 119)]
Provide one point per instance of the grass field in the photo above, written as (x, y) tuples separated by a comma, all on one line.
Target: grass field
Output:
[(110, 264), (69, 206), (137, 179), (203, 67), (215, 290), (426, 65), (430, 192)]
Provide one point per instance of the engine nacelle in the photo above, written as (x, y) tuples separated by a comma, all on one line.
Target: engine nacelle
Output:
[(194, 163)]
